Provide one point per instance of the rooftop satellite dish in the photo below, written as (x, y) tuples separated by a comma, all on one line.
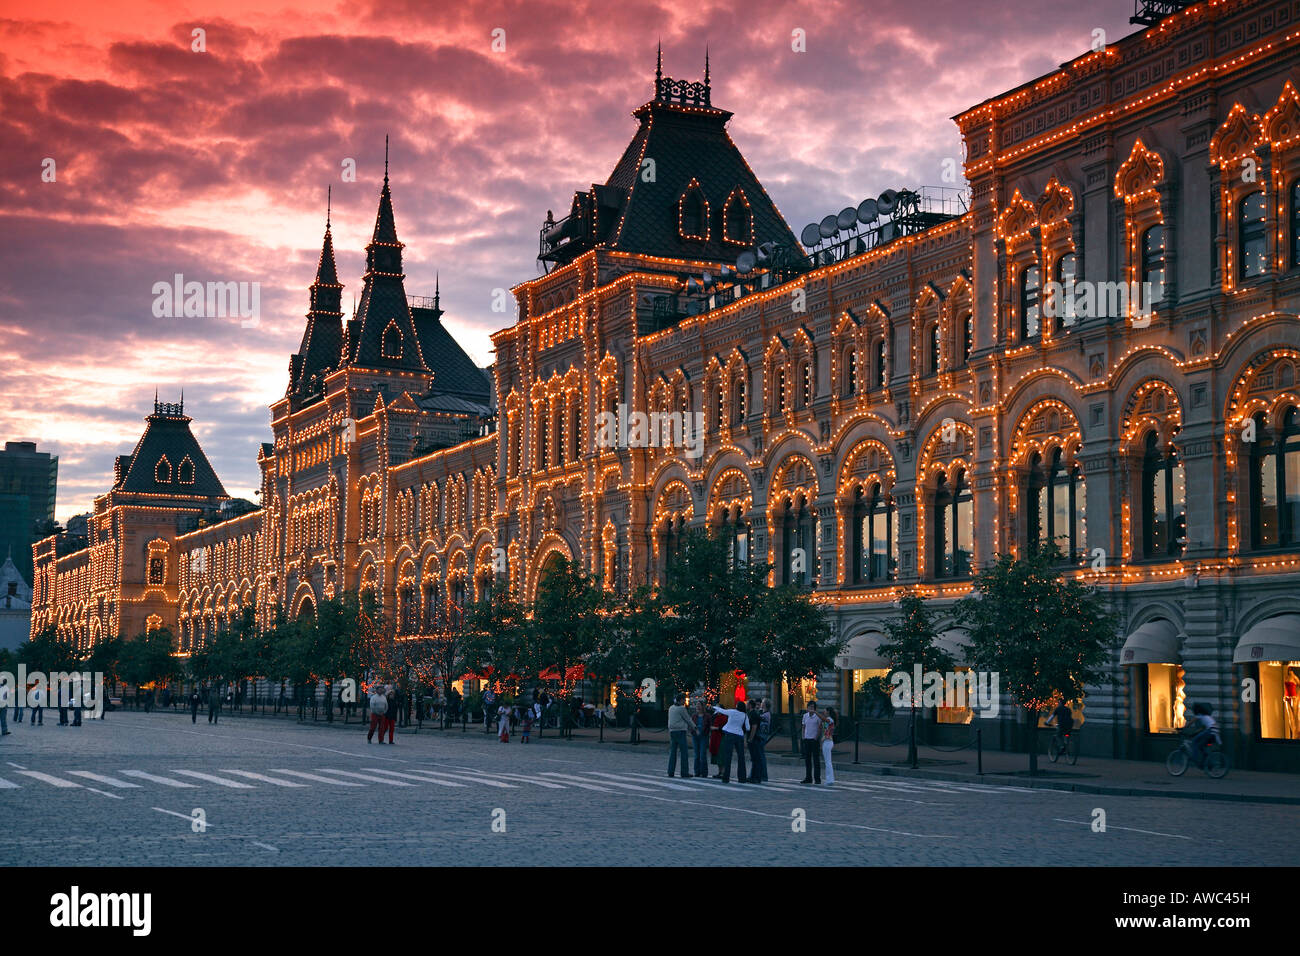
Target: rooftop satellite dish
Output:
[(692, 287), (745, 262), (811, 234), (726, 272), (829, 227), (848, 218), (887, 202), (867, 212)]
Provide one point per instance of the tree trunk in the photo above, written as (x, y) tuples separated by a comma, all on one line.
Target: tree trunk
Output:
[(911, 738), (1032, 716)]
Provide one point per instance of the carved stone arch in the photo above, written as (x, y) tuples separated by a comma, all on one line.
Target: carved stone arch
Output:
[(1281, 124), (1238, 138), (1017, 219)]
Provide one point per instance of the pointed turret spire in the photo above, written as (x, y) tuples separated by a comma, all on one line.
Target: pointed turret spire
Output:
[(437, 290), (706, 66), (659, 69), (322, 339)]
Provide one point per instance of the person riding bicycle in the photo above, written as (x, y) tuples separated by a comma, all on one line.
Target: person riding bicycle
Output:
[(1063, 718), (1204, 729)]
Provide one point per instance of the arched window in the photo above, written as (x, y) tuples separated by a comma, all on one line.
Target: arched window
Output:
[(1066, 267), (850, 371), (1057, 505), (805, 396), (735, 529), (1275, 483), (1029, 285), (882, 362), (1295, 224), (738, 410), (1164, 514), (1153, 265), (557, 432), (674, 529), (1250, 234), (721, 401), (798, 550), (185, 471), (932, 354), (693, 213), (967, 338), (736, 224), (575, 430), (875, 536), (778, 391), (392, 344), (162, 472), (954, 526)]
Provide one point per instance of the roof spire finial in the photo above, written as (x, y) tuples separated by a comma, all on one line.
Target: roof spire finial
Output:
[(385, 159), (706, 67), (437, 289), (659, 68), (329, 197)]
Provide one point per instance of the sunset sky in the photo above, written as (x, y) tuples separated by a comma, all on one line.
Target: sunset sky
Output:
[(215, 164)]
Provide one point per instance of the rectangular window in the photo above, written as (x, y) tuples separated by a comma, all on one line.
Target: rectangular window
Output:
[(965, 540), (1164, 698), (1279, 700)]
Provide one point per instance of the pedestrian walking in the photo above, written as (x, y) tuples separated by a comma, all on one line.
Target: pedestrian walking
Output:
[(390, 716), (20, 700), (734, 731), (701, 735), (489, 707), (399, 700), (378, 708), (4, 708), (528, 726), (61, 690), (680, 729), (759, 735), (195, 700), (214, 705), (812, 745), (37, 700), (503, 724), (74, 703), (828, 743)]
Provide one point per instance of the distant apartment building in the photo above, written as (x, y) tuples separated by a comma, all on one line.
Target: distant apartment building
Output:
[(28, 480)]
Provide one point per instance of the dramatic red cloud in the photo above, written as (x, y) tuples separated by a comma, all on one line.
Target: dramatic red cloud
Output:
[(215, 164)]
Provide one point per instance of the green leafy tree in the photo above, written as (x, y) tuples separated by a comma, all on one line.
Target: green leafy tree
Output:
[(48, 653), (910, 640), (498, 638), (1046, 635), (103, 659), (569, 613), (787, 636), (148, 658)]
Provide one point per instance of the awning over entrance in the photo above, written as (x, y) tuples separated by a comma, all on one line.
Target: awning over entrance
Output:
[(955, 641), (862, 653), (1272, 639), (1155, 642)]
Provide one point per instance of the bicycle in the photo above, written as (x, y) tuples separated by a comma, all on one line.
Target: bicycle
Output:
[(1063, 743), (1214, 763)]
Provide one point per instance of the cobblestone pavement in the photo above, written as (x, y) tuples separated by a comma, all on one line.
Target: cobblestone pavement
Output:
[(126, 791)]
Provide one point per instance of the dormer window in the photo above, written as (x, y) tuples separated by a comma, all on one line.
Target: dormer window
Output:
[(392, 345), (737, 219), (693, 213), (162, 472), (185, 471)]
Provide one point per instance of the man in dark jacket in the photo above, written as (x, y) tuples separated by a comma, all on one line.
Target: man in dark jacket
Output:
[(195, 700), (390, 718), (214, 705)]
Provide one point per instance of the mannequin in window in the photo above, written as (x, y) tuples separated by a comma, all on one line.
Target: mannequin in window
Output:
[(1291, 702)]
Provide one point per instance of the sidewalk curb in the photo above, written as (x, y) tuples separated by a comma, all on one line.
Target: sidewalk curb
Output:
[(871, 769)]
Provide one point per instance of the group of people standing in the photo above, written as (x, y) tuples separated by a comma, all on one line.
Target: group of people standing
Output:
[(718, 733), (69, 702)]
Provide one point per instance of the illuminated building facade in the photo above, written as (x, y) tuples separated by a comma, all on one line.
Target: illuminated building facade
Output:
[(874, 417)]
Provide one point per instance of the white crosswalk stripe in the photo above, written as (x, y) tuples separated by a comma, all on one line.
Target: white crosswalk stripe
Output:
[(51, 780), (101, 778), (639, 778), (413, 776), (152, 778), (262, 777), (470, 777), (578, 781), (366, 776), (211, 778), (317, 778), (7, 785), (523, 778)]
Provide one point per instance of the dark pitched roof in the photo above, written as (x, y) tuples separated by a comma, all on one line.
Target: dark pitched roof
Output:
[(454, 372), (322, 339), (687, 139), (382, 333), (167, 453)]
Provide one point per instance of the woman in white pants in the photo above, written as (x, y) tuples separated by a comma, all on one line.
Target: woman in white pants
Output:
[(828, 742)]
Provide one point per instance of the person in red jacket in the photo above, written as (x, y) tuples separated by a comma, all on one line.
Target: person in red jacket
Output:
[(715, 740)]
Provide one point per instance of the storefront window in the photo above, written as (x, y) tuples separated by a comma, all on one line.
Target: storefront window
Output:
[(1165, 698), (1279, 700), (803, 690), (956, 715), (870, 701)]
